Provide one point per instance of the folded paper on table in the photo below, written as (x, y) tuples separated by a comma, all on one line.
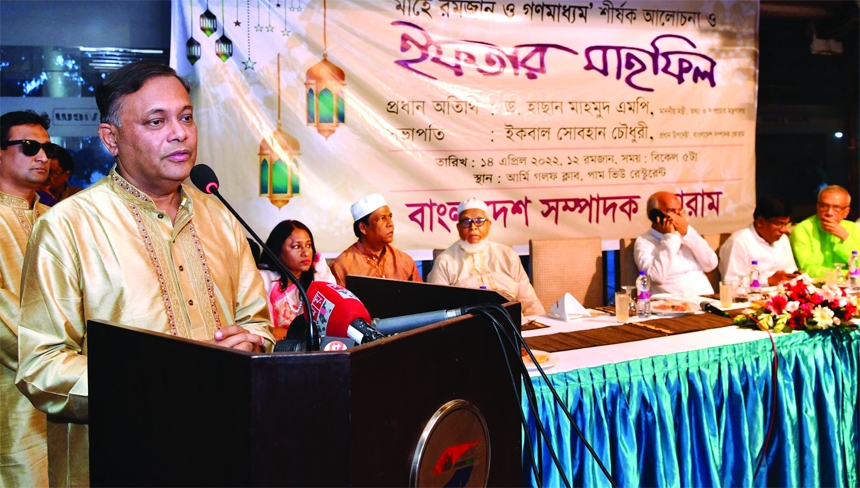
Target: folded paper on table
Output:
[(568, 308)]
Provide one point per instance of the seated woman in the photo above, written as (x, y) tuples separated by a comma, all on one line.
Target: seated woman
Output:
[(293, 241)]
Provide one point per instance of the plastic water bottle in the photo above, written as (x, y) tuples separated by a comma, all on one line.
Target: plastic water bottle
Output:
[(755, 282), (643, 296), (853, 272)]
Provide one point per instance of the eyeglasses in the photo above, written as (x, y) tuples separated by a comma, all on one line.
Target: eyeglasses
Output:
[(467, 223), (32, 148), (826, 207), (778, 225)]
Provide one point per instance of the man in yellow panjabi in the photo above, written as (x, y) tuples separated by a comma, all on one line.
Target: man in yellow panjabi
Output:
[(25, 149), (137, 248)]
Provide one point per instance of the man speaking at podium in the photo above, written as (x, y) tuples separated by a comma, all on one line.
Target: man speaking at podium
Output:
[(137, 248)]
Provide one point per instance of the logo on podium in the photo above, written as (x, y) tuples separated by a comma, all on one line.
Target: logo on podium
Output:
[(454, 448)]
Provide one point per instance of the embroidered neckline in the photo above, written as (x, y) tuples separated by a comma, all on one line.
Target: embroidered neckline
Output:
[(16, 202), (128, 191)]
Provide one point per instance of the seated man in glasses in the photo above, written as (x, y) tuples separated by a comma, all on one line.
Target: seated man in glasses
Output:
[(826, 238), (673, 254), (476, 262), (765, 240)]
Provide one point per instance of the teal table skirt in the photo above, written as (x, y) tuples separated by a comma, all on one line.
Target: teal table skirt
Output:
[(700, 418)]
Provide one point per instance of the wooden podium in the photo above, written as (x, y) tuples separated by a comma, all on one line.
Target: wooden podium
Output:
[(168, 411)]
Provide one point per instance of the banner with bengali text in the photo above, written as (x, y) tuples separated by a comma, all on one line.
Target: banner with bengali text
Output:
[(563, 116)]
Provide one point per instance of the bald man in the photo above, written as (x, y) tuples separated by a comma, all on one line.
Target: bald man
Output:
[(673, 254), (826, 238)]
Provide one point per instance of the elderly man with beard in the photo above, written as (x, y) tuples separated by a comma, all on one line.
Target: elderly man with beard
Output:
[(476, 262)]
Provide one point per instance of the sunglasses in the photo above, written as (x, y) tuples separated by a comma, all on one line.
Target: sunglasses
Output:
[(32, 148)]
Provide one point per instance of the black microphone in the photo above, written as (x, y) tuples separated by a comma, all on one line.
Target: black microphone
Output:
[(362, 332), (711, 308), (395, 325), (206, 181)]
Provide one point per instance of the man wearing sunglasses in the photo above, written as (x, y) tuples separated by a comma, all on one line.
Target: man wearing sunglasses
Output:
[(826, 238), (24, 143), (477, 262), (137, 248)]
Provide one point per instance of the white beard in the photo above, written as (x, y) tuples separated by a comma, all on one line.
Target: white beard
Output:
[(473, 248)]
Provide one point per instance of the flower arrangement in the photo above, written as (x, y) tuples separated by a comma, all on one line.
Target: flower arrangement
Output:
[(800, 305)]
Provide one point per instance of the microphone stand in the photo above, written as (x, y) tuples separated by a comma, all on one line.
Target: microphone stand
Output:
[(312, 341)]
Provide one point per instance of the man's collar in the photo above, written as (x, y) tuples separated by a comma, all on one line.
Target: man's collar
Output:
[(131, 193), (368, 252), (17, 202)]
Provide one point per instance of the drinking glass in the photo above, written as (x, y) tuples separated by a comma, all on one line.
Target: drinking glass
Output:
[(830, 277), (630, 290), (840, 276), (727, 293), (622, 306)]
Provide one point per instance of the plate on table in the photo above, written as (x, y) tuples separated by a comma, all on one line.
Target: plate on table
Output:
[(545, 359), (672, 307)]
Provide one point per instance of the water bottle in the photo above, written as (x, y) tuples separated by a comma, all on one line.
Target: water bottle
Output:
[(643, 296), (755, 282), (853, 272)]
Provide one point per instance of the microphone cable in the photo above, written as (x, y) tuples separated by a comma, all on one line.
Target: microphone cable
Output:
[(532, 400), (555, 394), (535, 470), (774, 372)]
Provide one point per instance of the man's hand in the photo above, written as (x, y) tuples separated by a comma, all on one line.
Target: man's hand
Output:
[(679, 222), (831, 226), (236, 337), (779, 277)]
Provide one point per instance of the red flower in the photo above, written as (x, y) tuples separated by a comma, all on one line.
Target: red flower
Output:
[(777, 304), (816, 298), (799, 291)]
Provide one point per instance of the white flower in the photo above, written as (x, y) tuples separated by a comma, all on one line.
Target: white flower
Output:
[(792, 306), (843, 302), (823, 316), (830, 292)]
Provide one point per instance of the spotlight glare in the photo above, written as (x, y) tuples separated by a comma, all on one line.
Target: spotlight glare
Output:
[(838, 135)]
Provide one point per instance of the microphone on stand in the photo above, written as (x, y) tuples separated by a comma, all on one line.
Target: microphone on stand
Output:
[(711, 308), (206, 181), (396, 325)]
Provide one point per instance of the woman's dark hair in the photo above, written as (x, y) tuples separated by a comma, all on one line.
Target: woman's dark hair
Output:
[(275, 242)]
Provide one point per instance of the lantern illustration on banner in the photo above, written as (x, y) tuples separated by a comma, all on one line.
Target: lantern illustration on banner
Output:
[(223, 46), (208, 22), (192, 47), (279, 161), (324, 88)]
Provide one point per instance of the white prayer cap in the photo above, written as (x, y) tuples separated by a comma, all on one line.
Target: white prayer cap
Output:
[(472, 203), (366, 206)]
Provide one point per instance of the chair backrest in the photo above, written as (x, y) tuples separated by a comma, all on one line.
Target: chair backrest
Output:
[(574, 266), (627, 270), (715, 241)]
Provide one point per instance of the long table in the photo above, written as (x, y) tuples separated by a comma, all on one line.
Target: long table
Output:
[(693, 409)]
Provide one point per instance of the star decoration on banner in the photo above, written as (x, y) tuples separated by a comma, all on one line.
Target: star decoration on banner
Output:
[(237, 24), (258, 28), (286, 32), (249, 64), (270, 28)]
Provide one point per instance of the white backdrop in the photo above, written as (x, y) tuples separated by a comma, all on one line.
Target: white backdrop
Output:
[(563, 116)]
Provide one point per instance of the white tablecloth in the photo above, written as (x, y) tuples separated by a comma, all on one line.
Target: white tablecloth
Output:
[(616, 353)]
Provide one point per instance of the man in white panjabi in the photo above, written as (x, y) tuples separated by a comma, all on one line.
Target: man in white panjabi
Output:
[(477, 262), (673, 254)]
